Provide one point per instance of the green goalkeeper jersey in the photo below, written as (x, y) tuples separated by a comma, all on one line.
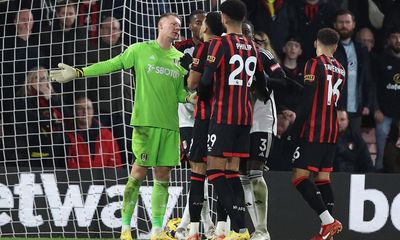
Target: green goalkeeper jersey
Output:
[(159, 84)]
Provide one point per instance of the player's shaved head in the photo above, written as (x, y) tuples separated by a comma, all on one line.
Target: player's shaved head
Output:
[(165, 16)]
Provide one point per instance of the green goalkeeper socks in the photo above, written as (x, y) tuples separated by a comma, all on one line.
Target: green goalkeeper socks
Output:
[(159, 199), (131, 194)]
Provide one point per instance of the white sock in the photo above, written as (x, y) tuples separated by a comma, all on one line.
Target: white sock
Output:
[(186, 215), (260, 193), (249, 199), (194, 228), (326, 218), (125, 227), (205, 211), (220, 229)]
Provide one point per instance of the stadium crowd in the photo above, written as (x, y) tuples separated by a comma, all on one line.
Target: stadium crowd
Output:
[(43, 33), (352, 48)]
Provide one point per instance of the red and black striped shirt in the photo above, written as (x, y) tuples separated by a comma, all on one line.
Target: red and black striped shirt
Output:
[(235, 61), (323, 81), (203, 105), (185, 46)]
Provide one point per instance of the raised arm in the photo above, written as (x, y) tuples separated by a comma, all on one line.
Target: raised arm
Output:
[(123, 61)]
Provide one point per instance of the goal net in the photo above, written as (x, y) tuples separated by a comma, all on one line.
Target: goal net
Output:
[(65, 149)]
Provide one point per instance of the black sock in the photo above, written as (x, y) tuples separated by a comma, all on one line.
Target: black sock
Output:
[(222, 215), (233, 179), (196, 196), (225, 197), (325, 188), (311, 194)]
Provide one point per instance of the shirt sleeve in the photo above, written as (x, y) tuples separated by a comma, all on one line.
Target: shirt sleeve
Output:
[(214, 57), (124, 60), (199, 58), (271, 65), (181, 91), (311, 74)]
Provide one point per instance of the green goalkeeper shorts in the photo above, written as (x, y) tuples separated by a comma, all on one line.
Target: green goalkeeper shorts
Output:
[(156, 147)]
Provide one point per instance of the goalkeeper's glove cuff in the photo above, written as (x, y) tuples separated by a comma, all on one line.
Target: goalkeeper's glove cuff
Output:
[(79, 72), (192, 98)]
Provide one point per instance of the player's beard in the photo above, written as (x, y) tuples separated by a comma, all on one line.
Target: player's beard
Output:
[(345, 34), (395, 49)]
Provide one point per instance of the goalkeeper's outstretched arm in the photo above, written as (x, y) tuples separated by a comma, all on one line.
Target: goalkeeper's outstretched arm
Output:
[(66, 73)]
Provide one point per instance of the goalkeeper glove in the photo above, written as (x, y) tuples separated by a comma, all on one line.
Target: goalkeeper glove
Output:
[(192, 98), (185, 61), (66, 74)]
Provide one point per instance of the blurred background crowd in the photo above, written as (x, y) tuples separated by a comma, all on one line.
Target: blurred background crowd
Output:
[(85, 123)]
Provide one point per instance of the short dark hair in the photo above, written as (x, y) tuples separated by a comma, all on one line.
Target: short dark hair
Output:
[(294, 38), (165, 15), (196, 12), (341, 12), (66, 3), (392, 30), (234, 9), (213, 21), (328, 36)]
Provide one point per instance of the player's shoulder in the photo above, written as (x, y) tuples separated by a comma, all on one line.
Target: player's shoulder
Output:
[(140, 45), (265, 53), (218, 38), (315, 62), (182, 45)]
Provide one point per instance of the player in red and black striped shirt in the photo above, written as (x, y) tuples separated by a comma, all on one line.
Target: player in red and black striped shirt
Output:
[(210, 28), (316, 128), (232, 65), (186, 110)]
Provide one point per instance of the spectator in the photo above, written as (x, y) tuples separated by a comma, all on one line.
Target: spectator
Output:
[(64, 39), (112, 93), (352, 154), (89, 17), (387, 92), (19, 53), (357, 91), (275, 18), (311, 16), (107, 90), (90, 145), (39, 123), (366, 37), (391, 159), (288, 97), (64, 42)]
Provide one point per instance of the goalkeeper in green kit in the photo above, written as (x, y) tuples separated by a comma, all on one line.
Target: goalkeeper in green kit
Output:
[(159, 75)]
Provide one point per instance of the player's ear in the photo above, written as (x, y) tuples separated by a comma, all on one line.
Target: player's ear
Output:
[(315, 44), (334, 47)]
